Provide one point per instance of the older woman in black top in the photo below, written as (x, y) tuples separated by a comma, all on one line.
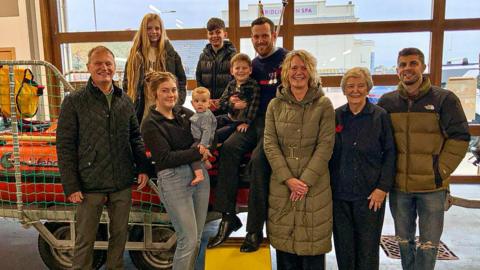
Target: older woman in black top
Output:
[(362, 172), (166, 131)]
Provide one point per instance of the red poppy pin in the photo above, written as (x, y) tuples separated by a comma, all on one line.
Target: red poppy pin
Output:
[(338, 128)]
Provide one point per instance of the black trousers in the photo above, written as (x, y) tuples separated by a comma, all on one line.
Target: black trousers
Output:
[(288, 261), (231, 154), (356, 234), (225, 128)]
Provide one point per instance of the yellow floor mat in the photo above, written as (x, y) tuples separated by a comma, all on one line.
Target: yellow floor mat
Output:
[(228, 257)]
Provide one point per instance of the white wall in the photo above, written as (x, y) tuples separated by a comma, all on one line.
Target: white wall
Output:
[(14, 32)]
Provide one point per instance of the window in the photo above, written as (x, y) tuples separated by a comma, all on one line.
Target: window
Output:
[(462, 9), (75, 58), (352, 41), (336, 96), (189, 51), (378, 52), (460, 69), (335, 11), (111, 15), (461, 46)]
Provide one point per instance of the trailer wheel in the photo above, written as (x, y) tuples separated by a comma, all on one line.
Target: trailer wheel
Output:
[(150, 260), (57, 259)]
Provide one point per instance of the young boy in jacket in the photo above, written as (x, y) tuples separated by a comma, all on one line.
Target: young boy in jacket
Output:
[(240, 99), (213, 68)]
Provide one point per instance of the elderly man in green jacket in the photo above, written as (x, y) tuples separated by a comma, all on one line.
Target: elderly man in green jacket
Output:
[(99, 149), (431, 134)]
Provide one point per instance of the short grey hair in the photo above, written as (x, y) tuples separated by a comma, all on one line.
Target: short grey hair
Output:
[(357, 72), (99, 48)]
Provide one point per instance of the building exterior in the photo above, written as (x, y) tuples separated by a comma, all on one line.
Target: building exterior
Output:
[(344, 51)]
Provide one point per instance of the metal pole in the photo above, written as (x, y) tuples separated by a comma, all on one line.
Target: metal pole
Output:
[(95, 15), (284, 4), (16, 146)]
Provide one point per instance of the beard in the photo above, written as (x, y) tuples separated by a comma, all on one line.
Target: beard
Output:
[(264, 49), (412, 81)]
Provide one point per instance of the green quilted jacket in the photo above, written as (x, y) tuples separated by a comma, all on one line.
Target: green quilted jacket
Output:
[(299, 139)]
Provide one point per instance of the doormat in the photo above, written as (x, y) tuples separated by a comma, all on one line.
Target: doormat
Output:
[(390, 246)]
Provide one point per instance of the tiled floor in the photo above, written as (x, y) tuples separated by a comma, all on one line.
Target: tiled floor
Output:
[(18, 247)]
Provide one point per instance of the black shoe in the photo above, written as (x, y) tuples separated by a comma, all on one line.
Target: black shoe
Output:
[(226, 227), (252, 242)]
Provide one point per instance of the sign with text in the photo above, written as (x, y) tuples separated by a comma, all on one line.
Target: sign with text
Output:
[(306, 11)]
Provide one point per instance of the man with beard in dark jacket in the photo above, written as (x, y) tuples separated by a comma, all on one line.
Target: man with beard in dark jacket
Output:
[(431, 135), (99, 145), (213, 68), (266, 70)]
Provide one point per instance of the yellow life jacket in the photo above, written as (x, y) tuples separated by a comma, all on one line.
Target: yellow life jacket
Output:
[(27, 92)]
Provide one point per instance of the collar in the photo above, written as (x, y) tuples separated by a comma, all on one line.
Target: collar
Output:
[(248, 82), (423, 89), (214, 50), (202, 113), (94, 89), (178, 112), (274, 49), (367, 109)]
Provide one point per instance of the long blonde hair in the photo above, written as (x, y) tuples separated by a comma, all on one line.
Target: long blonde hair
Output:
[(141, 45)]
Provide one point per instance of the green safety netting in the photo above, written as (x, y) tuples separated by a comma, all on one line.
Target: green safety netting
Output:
[(30, 184)]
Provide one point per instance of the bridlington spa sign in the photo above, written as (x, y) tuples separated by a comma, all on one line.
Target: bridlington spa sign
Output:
[(310, 10)]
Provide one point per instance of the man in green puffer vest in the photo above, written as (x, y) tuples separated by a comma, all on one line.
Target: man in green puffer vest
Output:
[(431, 135)]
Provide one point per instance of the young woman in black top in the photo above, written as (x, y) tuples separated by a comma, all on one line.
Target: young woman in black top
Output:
[(166, 131)]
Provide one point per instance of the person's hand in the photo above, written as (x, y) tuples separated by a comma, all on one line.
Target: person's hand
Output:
[(240, 105), (196, 181), (242, 127), (234, 99), (214, 104), (202, 149), (76, 197), (298, 189), (206, 155), (376, 199), (294, 196), (142, 180)]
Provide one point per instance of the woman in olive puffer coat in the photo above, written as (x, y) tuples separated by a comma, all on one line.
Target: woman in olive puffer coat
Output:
[(299, 139)]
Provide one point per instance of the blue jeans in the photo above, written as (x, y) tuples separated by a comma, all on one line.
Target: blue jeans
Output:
[(187, 208), (430, 210)]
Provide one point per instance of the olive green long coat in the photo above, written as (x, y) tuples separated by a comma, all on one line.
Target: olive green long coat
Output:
[(299, 139)]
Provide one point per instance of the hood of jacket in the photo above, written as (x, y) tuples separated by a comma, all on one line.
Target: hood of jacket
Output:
[(227, 48), (313, 93), (422, 89)]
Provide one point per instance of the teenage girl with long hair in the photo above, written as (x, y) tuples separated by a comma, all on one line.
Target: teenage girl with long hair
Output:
[(151, 51)]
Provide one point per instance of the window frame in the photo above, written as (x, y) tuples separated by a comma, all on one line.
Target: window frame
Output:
[(437, 26)]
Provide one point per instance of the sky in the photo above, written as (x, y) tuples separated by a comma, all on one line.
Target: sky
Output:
[(122, 14)]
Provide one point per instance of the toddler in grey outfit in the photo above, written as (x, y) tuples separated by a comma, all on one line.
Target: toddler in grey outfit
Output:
[(203, 125)]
